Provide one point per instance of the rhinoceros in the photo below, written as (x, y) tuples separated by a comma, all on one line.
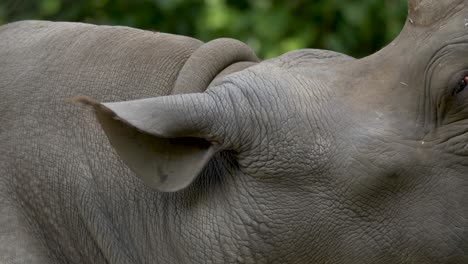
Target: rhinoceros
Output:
[(120, 145)]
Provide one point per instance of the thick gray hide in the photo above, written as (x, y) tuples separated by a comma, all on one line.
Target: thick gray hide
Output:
[(311, 157), (57, 199)]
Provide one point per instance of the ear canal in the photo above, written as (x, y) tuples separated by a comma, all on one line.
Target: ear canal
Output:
[(161, 139), (209, 60)]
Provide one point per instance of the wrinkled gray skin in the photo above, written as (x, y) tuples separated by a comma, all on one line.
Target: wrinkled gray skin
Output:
[(311, 157)]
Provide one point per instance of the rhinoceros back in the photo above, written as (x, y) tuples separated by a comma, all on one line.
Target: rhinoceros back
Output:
[(52, 181)]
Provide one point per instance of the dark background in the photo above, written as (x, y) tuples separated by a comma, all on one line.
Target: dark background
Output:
[(270, 27)]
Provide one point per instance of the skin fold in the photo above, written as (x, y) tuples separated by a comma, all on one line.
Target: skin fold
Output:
[(200, 153)]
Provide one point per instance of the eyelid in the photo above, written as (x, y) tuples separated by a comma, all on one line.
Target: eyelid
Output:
[(455, 81)]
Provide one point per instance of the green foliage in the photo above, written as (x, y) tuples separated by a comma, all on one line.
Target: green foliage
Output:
[(270, 27)]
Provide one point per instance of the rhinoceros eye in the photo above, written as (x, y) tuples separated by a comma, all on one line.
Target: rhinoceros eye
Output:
[(461, 85)]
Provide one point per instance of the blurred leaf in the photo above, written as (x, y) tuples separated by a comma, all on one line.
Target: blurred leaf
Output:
[(334, 42), (99, 3), (355, 13), (217, 15), (2, 13), (270, 27), (167, 5), (49, 7)]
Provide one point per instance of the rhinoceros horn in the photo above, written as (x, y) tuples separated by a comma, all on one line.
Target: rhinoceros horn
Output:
[(430, 12)]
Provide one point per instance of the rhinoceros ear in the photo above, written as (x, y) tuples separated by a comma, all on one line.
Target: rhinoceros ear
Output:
[(212, 59), (166, 141)]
